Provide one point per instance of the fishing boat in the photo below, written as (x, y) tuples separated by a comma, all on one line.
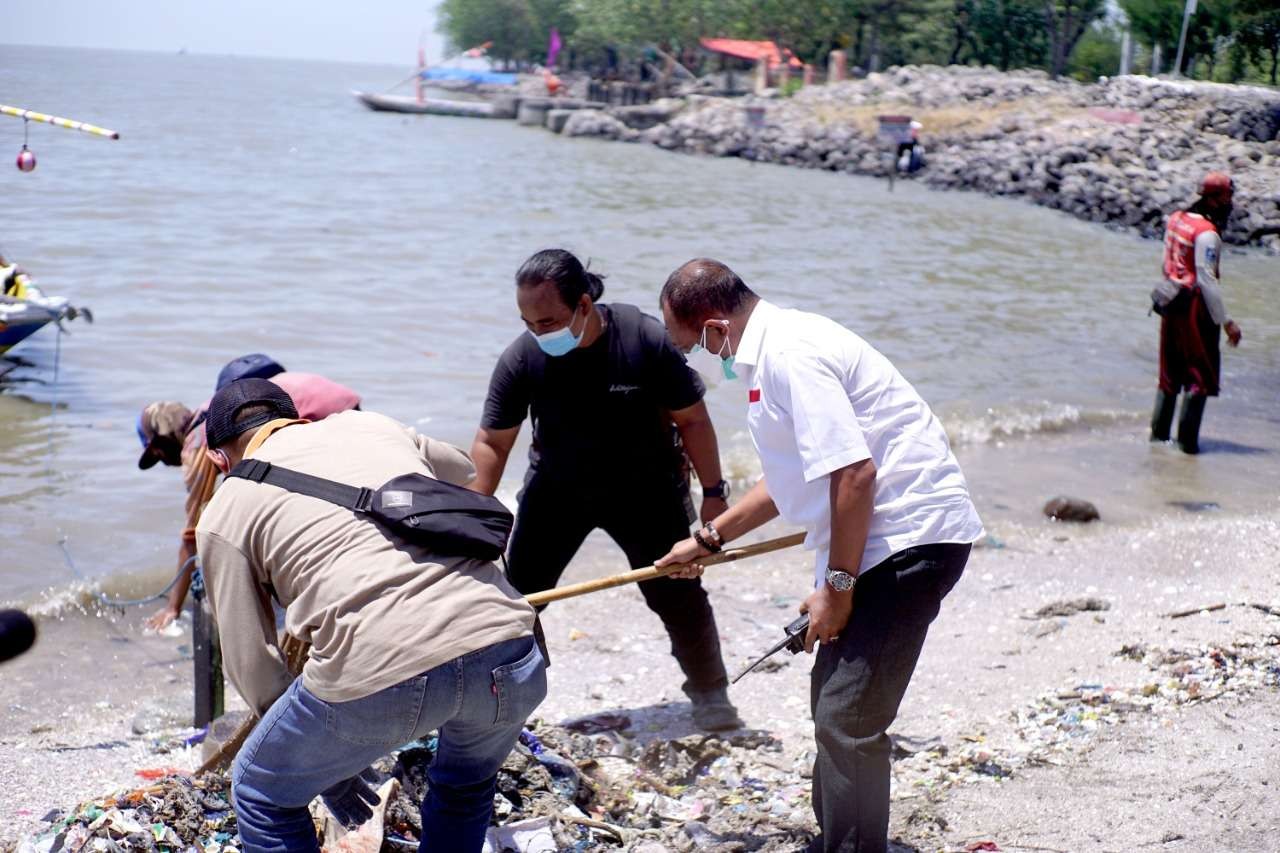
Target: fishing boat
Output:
[(429, 106), (471, 72), (29, 311)]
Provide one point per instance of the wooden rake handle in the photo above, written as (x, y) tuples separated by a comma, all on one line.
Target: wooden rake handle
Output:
[(729, 555)]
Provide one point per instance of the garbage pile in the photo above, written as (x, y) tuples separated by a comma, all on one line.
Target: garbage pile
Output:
[(176, 813), (594, 788), (601, 789)]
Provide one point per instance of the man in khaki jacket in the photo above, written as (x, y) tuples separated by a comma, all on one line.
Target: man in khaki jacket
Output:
[(404, 641)]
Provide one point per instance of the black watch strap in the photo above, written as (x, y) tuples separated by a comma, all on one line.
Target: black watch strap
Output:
[(719, 490)]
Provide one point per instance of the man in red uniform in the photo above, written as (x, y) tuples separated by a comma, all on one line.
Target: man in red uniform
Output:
[(1190, 358)]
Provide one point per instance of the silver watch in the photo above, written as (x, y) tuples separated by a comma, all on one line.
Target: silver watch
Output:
[(840, 581)]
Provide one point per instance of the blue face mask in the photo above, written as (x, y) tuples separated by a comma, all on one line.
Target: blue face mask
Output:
[(561, 341)]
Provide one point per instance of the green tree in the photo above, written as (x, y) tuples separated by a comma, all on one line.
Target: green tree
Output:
[(1066, 22), (1159, 22), (1097, 54), (519, 29), (1004, 33), (1259, 33)]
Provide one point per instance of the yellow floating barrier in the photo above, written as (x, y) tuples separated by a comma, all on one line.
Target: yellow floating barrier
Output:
[(69, 124)]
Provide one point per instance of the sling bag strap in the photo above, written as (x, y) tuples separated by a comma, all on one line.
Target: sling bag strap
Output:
[(358, 500)]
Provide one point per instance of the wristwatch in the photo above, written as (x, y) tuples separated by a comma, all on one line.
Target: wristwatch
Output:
[(719, 490), (840, 580)]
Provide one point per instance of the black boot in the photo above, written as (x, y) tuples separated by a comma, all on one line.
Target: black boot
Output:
[(1189, 422), (1162, 417)]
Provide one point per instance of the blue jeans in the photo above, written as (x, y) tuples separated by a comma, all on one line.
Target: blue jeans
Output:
[(304, 746)]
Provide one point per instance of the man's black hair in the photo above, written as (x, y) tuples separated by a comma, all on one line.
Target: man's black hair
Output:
[(563, 269), (702, 288)]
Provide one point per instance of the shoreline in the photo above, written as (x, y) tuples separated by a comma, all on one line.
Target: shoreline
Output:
[(1006, 703), (1124, 152)]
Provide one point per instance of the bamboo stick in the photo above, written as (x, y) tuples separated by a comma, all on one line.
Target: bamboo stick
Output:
[(68, 123), (727, 556)]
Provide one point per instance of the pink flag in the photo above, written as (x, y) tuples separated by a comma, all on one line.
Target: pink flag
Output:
[(553, 47)]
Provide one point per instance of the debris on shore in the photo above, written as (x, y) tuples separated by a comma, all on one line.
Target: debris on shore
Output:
[(560, 789)]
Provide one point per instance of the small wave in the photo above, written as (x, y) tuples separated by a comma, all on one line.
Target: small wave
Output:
[(1003, 423), (78, 598)]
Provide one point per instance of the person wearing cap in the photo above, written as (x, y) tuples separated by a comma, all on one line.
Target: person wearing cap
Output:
[(173, 434), (1191, 325), (405, 640), (593, 379), (854, 455)]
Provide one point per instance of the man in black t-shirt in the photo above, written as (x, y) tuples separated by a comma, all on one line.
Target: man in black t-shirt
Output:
[(608, 394)]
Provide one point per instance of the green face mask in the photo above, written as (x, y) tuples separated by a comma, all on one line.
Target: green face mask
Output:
[(726, 361)]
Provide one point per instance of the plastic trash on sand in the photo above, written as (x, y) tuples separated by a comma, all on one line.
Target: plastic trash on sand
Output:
[(524, 836)]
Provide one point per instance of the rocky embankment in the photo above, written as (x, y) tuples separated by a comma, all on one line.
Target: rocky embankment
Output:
[(1124, 151)]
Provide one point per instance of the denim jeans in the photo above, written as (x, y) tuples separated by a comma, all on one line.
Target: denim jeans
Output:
[(304, 746), (857, 684)]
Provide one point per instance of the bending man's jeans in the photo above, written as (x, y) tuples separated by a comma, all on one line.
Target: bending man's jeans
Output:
[(305, 745), (857, 684)]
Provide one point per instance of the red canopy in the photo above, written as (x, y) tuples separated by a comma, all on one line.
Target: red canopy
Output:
[(750, 50)]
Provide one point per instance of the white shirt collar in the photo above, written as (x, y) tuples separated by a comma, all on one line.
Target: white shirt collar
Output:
[(752, 340)]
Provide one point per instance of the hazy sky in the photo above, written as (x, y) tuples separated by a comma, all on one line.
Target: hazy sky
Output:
[(364, 31)]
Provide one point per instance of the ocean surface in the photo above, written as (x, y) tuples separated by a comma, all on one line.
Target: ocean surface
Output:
[(254, 205)]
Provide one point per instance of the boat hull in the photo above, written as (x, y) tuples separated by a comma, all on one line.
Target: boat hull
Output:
[(427, 106), (22, 318)]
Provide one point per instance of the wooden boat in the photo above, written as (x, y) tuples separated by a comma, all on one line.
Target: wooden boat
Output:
[(428, 106)]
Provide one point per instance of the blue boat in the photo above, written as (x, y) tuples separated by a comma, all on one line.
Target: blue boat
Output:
[(29, 311)]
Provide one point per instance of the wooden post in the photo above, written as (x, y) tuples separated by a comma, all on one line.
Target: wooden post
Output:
[(808, 74), (784, 74), (837, 66), (762, 76), (422, 66)]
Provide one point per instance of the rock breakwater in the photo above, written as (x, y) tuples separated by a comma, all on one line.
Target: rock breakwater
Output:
[(1124, 151)]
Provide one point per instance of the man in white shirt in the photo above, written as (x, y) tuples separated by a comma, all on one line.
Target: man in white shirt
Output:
[(851, 452)]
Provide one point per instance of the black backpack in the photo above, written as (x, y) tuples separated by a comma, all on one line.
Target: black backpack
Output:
[(448, 519)]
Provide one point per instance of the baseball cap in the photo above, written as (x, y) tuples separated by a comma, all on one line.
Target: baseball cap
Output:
[(159, 423), (255, 365), (221, 427), (1216, 184)]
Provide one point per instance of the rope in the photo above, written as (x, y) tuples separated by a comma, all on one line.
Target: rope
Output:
[(123, 602), (62, 541)]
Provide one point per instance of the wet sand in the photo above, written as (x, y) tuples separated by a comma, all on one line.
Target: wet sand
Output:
[(1193, 775)]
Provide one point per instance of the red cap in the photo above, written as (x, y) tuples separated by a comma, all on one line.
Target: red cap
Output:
[(1216, 184)]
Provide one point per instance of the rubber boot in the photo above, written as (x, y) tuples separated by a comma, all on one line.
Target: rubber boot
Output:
[(1189, 422), (712, 710), (1162, 417)]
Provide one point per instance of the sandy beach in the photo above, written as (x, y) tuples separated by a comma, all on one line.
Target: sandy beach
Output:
[(1183, 767)]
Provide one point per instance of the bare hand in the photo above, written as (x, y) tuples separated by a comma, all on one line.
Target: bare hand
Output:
[(686, 552), (1233, 333), (713, 508), (161, 619), (828, 615)]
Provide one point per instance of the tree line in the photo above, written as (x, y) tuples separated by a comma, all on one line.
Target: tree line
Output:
[(1227, 40)]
